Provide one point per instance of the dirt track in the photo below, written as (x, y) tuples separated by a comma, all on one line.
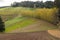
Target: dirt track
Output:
[(43, 35), (40, 25)]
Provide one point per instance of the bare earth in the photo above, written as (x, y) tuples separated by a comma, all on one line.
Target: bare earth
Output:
[(43, 35), (25, 35), (40, 25)]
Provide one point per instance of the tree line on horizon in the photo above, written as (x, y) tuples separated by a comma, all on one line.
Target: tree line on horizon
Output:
[(31, 4)]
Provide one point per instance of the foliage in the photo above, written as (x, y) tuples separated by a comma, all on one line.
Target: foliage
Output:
[(2, 26), (42, 13), (31, 4), (49, 4), (20, 24), (57, 3)]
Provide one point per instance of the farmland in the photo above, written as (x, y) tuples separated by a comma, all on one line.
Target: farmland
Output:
[(19, 17), (49, 14)]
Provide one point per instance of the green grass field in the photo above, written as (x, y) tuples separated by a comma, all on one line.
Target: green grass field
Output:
[(19, 22), (22, 22)]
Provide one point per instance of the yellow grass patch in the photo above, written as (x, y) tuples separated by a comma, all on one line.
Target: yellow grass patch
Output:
[(43, 13)]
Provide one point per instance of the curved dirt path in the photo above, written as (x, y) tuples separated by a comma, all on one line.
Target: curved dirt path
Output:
[(40, 25), (43, 35)]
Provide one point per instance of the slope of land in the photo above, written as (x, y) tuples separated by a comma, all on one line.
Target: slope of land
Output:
[(39, 25), (28, 24), (18, 23)]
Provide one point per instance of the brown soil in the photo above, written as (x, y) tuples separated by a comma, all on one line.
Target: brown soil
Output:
[(40, 25), (40, 35), (43, 35)]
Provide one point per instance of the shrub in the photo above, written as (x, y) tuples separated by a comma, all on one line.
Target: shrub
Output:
[(2, 26)]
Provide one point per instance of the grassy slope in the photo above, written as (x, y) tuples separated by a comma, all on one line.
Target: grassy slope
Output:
[(25, 22), (19, 24), (16, 19)]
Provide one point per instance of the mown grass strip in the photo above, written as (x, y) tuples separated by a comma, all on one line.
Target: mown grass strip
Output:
[(20, 24), (10, 22)]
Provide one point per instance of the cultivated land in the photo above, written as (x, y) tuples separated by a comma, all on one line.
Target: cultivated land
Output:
[(42, 35), (19, 20), (38, 25), (19, 17)]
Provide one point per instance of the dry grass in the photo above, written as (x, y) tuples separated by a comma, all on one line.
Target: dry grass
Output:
[(43, 13)]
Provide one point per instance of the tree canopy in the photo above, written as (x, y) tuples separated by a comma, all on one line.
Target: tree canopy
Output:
[(2, 26), (31, 4)]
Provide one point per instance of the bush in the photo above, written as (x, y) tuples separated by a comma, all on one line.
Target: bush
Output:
[(2, 26)]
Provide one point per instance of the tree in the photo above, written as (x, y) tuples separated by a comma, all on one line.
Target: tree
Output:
[(49, 4), (15, 4), (31, 4), (2, 26), (57, 3), (39, 4)]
